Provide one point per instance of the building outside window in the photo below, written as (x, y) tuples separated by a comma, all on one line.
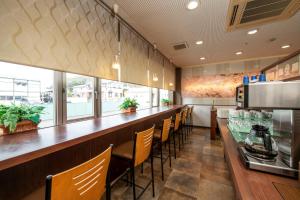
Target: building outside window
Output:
[(79, 96), (154, 97), (163, 94), (113, 93), (21, 84)]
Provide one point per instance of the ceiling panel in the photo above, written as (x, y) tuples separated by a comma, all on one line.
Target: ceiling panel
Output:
[(168, 22)]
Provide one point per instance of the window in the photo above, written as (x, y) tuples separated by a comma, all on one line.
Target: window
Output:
[(79, 96), (163, 94), (113, 93), (154, 97), (21, 84)]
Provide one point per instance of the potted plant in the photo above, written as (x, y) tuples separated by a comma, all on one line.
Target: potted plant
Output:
[(165, 102), (129, 105), (15, 119)]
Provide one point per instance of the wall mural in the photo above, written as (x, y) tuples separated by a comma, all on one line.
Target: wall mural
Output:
[(213, 86)]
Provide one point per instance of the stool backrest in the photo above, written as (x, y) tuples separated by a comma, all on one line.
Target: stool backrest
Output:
[(177, 121), (184, 115), (85, 181), (143, 145), (166, 129), (189, 111)]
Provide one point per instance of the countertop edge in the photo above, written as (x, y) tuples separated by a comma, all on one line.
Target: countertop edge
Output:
[(22, 158)]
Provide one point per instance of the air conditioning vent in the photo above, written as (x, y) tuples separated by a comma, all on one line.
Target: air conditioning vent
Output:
[(249, 13), (181, 45), (233, 15)]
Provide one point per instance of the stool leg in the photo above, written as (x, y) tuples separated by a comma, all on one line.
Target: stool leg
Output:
[(178, 133), (133, 181), (174, 144), (169, 141), (161, 161), (142, 168), (182, 136), (107, 186), (152, 174)]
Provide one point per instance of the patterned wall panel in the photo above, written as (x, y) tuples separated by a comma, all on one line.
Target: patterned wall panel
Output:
[(134, 57), (76, 36)]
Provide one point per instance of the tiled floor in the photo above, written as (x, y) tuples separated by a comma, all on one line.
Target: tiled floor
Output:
[(199, 172)]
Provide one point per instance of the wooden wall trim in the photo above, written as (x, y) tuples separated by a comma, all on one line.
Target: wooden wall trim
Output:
[(281, 61)]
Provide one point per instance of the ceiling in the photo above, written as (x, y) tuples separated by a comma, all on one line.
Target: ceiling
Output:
[(167, 22)]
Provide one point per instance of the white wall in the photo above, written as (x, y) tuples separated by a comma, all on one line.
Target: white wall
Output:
[(201, 114)]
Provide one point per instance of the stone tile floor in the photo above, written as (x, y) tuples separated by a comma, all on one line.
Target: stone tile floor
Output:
[(199, 172)]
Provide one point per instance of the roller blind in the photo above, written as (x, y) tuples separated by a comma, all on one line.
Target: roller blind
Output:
[(155, 68), (134, 57), (78, 37), (169, 75), (73, 36)]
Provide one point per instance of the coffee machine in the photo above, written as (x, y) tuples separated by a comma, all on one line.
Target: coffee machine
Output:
[(283, 99)]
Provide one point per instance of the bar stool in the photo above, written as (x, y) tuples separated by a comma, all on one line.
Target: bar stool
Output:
[(183, 125), (191, 118), (162, 137), (86, 181), (176, 131), (189, 113), (190, 121), (136, 153)]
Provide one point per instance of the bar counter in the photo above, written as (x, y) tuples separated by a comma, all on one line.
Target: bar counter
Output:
[(250, 184), (26, 158)]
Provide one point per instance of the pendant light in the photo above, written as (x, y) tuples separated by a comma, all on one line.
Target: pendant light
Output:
[(116, 63)]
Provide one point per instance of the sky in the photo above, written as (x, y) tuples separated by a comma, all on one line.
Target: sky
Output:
[(10, 70)]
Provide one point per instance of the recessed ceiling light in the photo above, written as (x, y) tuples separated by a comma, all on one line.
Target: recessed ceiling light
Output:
[(252, 32), (239, 53), (199, 42), (192, 4), (285, 46), (202, 58)]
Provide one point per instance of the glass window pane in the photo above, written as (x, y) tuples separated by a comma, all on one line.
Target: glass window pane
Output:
[(21, 84), (113, 93), (154, 97), (80, 96), (163, 94)]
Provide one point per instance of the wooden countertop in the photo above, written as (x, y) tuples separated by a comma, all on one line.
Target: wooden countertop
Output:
[(16, 149), (250, 184)]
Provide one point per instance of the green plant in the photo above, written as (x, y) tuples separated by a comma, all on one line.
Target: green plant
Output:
[(166, 101), (12, 114), (128, 102)]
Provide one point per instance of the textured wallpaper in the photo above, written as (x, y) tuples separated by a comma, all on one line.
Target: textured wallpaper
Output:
[(77, 36)]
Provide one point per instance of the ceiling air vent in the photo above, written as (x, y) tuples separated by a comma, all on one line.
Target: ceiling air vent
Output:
[(233, 15), (181, 45), (249, 13)]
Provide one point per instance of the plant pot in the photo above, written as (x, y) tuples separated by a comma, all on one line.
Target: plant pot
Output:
[(25, 125), (129, 110), (166, 104)]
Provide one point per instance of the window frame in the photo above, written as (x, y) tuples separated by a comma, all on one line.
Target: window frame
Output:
[(157, 98), (65, 119), (60, 98)]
